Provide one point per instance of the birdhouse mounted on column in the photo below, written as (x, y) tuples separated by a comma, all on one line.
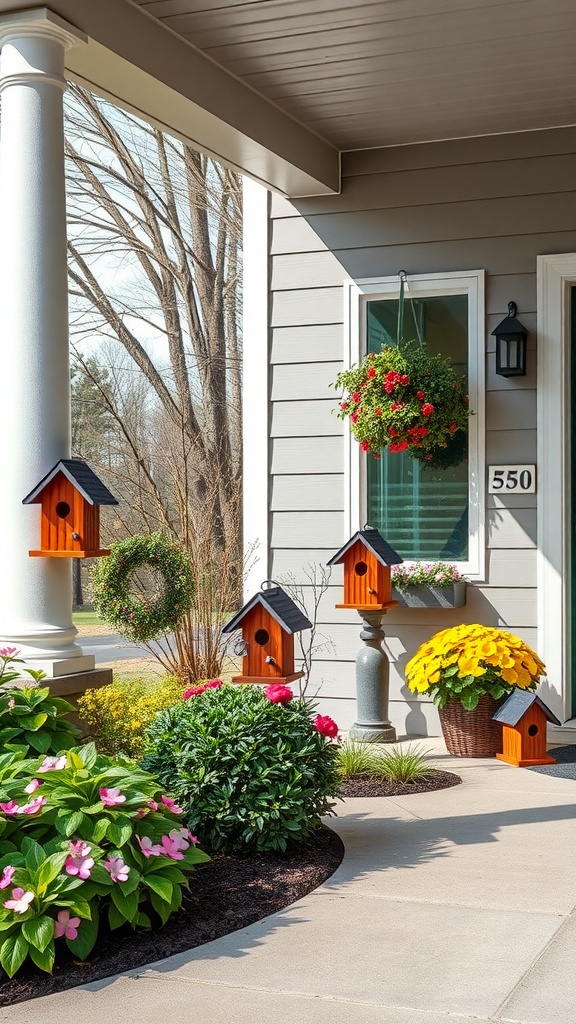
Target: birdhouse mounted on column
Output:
[(524, 717), (70, 496), (367, 558), (268, 622)]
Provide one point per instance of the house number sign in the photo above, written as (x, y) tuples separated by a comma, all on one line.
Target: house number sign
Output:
[(511, 479)]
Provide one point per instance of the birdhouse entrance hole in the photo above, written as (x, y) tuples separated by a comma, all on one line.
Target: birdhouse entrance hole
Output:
[(360, 568), (261, 637), (532, 730), (62, 509)]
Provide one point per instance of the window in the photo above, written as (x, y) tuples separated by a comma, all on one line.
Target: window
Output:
[(423, 513)]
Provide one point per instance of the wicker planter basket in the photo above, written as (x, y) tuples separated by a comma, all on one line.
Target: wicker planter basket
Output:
[(471, 733)]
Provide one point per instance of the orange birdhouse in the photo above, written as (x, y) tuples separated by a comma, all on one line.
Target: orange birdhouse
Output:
[(524, 717), (367, 558), (268, 622), (70, 496)]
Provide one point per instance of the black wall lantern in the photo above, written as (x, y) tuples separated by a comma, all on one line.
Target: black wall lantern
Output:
[(511, 345)]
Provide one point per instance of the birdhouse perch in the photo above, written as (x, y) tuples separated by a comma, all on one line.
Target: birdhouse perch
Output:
[(70, 496), (268, 623), (367, 558)]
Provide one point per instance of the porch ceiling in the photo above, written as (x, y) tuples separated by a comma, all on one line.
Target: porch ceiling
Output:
[(365, 73), (279, 88)]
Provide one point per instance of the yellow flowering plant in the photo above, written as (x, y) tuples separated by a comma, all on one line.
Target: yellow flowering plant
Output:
[(464, 662), (119, 714)]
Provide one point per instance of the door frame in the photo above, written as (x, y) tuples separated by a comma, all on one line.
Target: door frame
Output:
[(556, 275)]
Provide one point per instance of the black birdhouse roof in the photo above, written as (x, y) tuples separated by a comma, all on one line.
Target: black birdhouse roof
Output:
[(375, 543), (281, 607), (518, 703), (81, 477)]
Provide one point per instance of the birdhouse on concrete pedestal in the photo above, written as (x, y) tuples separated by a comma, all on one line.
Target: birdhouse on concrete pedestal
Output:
[(70, 496), (524, 717), (367, 558), (268, 622)]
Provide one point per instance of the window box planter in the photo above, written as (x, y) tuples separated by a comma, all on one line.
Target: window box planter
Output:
[(451, 595)]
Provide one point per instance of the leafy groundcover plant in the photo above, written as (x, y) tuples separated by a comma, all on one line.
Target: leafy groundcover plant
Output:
[(251, 768), (466, 661), (85, 841), (31, 721), (119, 714)]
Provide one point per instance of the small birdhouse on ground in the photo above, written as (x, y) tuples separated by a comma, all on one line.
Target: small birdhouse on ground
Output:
[(70, 496), (268, 622), (367, 558), (524, 717)]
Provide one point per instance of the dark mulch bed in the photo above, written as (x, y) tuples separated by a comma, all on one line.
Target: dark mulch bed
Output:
[(359, 786), (226, 894)]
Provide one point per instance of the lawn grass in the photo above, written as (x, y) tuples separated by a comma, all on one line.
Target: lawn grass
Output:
[(86, 618)]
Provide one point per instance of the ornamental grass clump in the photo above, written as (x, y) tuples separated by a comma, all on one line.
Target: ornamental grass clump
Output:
[(407, 399), (86, 843), (357, 759), (464, 662), (250, 767)]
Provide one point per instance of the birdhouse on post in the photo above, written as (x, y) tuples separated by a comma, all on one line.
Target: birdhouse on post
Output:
[(70, 496), (524, 717), (367, 558), (268, 622)]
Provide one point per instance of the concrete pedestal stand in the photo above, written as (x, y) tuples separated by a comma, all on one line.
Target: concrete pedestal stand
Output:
[(372, 684)]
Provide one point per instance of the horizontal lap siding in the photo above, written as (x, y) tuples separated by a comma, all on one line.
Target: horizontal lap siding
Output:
[(492, 204)]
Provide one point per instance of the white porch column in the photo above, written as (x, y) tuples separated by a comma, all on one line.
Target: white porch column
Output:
[(35, 593)]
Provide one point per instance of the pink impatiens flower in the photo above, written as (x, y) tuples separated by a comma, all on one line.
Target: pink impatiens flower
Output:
[(172, 847), (326, 726), (117, 869), (35, 805), (277, 693), (79, 862), (66, 926), (52, 764), (111, 797), (10, 808), (170, 804), (214, 684), (20, 901), (7, 876), (9, 652), (32, 786), (148, 848)]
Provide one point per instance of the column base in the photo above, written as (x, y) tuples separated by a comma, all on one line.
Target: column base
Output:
[(57, 667), (373, 733)]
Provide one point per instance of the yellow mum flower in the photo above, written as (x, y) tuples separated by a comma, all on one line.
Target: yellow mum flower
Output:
[(509, 675)]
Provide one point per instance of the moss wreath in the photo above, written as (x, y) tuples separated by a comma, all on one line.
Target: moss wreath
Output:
[(110, 587)]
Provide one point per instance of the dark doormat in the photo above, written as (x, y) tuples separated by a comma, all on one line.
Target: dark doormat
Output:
[(566, 766)]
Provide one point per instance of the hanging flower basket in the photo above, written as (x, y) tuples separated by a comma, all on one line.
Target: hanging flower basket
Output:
[(405, 399)]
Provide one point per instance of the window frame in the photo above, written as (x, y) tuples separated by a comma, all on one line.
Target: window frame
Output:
[(357, 294)]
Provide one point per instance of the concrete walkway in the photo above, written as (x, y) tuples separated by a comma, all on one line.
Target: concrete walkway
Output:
[(453, 906)]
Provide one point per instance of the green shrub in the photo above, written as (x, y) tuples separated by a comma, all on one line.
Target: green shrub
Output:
[(395, 764), (84, 839), (119, 714), (248, 771)]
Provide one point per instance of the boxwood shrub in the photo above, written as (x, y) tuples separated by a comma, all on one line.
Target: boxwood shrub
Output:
[(249, 773)]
